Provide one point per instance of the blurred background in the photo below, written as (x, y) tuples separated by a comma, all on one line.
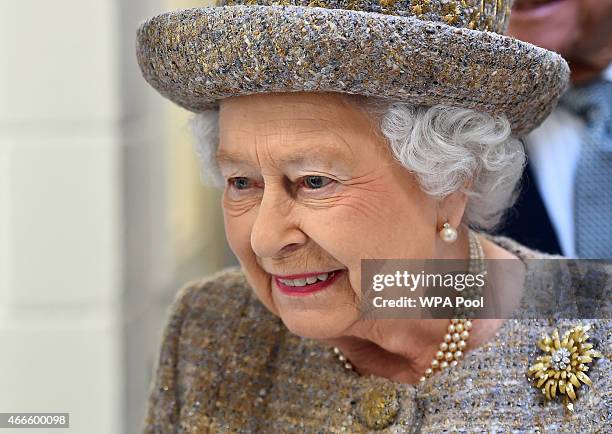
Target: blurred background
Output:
[(102, 213)]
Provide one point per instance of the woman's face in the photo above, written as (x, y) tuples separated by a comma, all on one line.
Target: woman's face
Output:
[(310, 188)]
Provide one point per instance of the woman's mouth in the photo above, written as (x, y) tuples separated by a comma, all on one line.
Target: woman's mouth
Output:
[(536, 8), (306, 283), (531, 4)]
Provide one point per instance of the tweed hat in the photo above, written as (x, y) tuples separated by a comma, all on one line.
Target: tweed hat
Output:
[(423, 52)]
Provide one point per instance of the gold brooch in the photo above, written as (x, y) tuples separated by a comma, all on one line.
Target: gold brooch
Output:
[(561, 371)]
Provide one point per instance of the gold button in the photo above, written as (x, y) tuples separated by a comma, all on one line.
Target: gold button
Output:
[(378, 406)]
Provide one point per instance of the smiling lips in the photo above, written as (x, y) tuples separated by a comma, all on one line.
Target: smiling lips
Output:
[(529, 4), (306, 283)]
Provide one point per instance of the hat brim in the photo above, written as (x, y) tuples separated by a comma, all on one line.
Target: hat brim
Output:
[(196, 57)]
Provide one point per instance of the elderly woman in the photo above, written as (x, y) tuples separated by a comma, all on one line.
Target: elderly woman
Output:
[(351, 131)]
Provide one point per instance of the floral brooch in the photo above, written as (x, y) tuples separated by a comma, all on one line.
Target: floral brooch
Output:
[(561, 371)]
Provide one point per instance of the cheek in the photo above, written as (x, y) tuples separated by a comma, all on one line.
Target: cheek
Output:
[(370, 224), (595, 45), (384, 222), (238, 233)]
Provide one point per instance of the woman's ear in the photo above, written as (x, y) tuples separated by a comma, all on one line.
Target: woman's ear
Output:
[(452, 208)]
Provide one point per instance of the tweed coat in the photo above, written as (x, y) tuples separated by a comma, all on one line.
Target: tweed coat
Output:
[(228, 365)]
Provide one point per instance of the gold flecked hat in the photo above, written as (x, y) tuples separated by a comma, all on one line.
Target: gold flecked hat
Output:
[(424, 52)]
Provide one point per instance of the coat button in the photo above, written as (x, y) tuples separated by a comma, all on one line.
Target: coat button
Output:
[(378, 406)]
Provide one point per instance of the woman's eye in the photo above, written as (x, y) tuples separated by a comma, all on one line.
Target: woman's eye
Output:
[(311, 182), (239, 183), (315, 182)]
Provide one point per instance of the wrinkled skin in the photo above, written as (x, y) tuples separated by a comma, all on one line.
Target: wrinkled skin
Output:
[(312, 187)]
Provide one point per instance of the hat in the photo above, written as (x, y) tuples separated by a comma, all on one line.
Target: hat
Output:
[(423, 52)]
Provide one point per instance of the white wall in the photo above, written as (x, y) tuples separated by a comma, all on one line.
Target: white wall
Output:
[(85, 271)]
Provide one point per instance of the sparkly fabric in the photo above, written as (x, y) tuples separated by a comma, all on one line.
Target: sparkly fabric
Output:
[(228, 365), (490, 15), (196, 57)]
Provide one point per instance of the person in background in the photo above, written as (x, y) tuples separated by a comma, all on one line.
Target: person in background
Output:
[(567, 185)]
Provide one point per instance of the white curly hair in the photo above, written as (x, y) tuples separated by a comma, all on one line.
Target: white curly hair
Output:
[(448, 149)]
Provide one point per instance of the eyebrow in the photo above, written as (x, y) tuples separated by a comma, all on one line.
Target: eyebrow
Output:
[(332, 157)]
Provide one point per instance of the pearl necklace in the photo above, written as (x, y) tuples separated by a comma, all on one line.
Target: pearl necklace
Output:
[(457, 332)]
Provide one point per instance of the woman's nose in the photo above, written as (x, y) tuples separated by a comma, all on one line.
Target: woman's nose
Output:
[(276, 230)]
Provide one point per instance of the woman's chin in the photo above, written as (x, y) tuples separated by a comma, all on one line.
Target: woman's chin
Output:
[(318, 325), (321, 314)]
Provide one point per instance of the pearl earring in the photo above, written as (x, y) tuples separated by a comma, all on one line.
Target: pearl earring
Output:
[(448, 234)]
